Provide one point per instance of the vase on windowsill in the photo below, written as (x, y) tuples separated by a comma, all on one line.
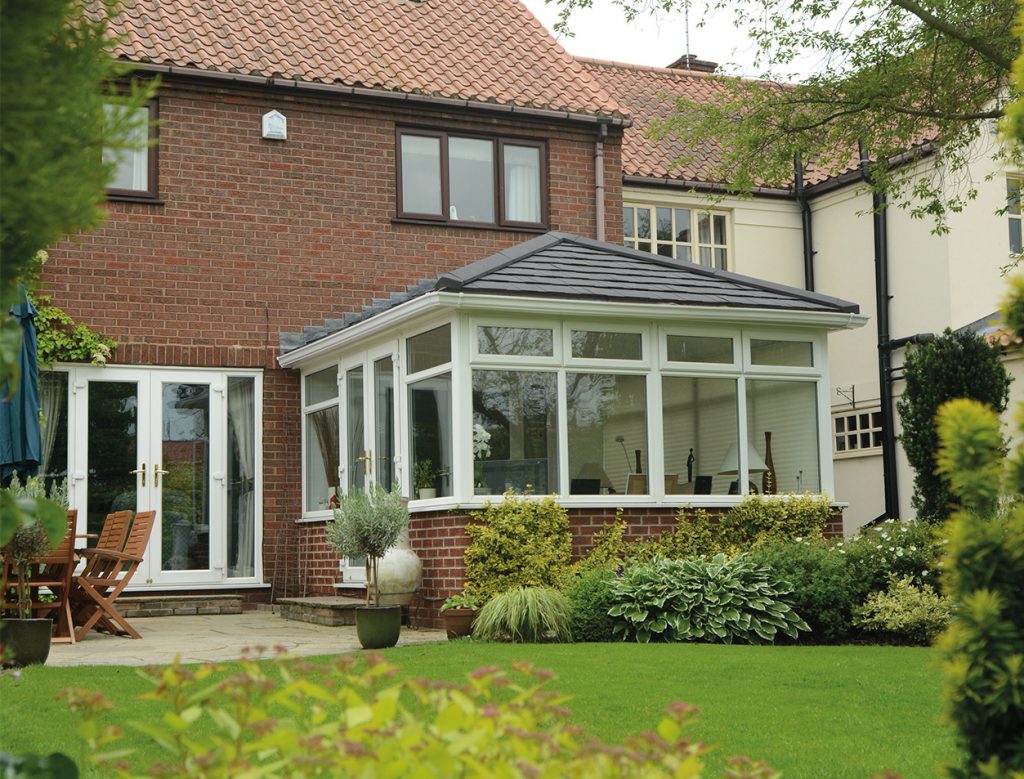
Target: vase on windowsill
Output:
[(426, 493), (481, 489)]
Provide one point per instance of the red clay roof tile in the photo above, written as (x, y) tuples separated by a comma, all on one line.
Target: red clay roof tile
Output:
[(492, 51)]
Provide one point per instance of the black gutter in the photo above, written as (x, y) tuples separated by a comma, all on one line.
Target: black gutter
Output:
[(879, 205), (805, 222)]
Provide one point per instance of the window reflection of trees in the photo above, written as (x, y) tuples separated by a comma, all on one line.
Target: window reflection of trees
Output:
[(520, 341)]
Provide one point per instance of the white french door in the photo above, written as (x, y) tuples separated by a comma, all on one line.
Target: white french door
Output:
[(369, 423), (183, 443)]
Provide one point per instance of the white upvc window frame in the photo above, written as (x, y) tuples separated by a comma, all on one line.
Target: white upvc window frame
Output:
[(694, 244), (305, 433), (654, 365)]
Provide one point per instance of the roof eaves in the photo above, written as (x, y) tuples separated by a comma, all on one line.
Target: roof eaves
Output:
[(380, 94)]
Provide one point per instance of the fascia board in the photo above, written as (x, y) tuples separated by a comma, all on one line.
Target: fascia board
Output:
[(592, 309)]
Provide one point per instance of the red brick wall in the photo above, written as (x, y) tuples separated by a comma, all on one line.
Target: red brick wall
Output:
[(255, 237), (440, 540)]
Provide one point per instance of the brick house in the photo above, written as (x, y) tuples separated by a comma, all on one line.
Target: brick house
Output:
[(306, 163)]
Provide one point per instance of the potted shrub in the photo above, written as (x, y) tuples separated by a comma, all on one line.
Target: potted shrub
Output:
[(458, 613), (370, 523), (426, 479), (25, 640)]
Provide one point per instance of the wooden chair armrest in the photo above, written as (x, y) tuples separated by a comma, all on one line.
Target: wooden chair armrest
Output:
[(107, 554)]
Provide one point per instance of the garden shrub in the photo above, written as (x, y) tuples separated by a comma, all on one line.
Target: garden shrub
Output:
[(521, 542), (717, 600), (983, 649), (293, 718), (898, 548), (956, 365), (756, 521), (824, 591), (525, 615), (590, 598), (906, 613)]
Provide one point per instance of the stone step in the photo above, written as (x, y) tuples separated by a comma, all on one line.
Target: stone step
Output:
[(178, 605), (320, 609)]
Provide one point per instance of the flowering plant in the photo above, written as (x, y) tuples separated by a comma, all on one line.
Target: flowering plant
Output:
[(481, 449)]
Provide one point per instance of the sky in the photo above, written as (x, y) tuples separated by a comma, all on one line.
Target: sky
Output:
[(603, 33)]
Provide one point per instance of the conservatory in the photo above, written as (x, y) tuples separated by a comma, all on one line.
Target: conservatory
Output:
[(571, 367)]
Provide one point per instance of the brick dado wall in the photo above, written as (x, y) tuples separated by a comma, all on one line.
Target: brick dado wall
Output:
[(440, 540), (253, 237)]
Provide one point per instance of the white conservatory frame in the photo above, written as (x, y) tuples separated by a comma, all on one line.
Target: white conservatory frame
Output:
[(464, 312)]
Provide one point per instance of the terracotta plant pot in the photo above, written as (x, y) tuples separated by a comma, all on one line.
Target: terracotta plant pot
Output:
[(25, 641), (378, 627), (458, 623)]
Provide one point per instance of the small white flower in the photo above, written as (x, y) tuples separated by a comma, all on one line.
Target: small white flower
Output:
[(913, 548), (842, 551), (899, 553), (798, 538)]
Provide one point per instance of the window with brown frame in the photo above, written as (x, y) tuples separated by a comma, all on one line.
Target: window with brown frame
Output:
[(471, 180), (135, 168)]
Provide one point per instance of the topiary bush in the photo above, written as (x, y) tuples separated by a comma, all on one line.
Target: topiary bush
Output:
[(525, 615), (905, 613), (825, 592), (521, 542), (291, 718), (590, 598), (956, 365), (718, 600)]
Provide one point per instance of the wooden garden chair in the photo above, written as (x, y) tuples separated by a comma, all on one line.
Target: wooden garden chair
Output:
[(54, 572), (104, 578)]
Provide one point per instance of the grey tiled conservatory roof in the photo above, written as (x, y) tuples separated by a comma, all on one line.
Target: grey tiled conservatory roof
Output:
[(561, 265)]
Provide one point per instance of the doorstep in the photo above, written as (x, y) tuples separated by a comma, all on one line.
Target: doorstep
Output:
[(178, 605), (320, 609)]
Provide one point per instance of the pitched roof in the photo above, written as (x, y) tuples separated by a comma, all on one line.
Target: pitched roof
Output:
[(561, 265), (648, 93), (489, 51)]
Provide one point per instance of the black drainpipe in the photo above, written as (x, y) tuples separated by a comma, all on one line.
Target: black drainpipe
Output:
[(805, 222), (885, 346)]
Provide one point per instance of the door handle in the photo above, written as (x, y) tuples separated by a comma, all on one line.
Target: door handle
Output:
[(367, 458), (141, 470), (157, 473)]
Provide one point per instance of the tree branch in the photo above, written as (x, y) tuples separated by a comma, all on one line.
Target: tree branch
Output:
[(984, 49)]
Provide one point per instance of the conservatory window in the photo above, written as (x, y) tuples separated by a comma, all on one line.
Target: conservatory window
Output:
[(699, 348), (430, 430), (701, 431), (606, 346), (516, 341), (430, 349), (321, 439), (794, 354), (607, 443), (515, 431), (782, 430)]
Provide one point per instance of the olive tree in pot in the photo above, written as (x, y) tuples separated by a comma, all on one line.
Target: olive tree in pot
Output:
[(37, 526), (369, 524)]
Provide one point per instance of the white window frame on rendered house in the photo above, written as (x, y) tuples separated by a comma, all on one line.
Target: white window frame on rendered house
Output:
[(694, 245)]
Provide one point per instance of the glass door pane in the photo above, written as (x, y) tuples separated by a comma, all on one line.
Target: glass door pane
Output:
[(183, 476), (112, 451), (241, 519), (354, 429), (384, 421)]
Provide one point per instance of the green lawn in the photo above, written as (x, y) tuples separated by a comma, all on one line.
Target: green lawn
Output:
[(809, 711)]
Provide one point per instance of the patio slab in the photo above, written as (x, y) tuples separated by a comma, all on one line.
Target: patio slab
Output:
[(218, 637)]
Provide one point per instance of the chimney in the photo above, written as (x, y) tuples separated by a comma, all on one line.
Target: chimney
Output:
[(690, 62)]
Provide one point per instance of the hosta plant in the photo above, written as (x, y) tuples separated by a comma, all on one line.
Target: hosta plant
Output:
[(718, 600)]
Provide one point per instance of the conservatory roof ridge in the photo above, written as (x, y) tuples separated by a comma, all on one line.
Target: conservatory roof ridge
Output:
[(564, 266)]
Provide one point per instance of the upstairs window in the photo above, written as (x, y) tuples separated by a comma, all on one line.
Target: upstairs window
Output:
[(135, 167), (470, 180), (684, 234), (1013, 187)]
